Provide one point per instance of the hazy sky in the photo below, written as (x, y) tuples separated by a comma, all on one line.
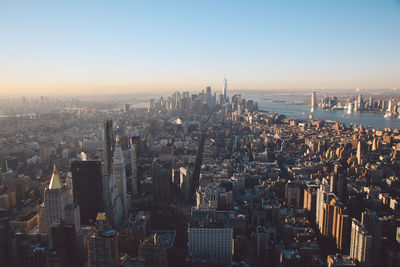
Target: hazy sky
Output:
[(126, 46)]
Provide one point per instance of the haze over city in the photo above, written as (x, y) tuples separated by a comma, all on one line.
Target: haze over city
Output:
[(200, 133), (102, 47)]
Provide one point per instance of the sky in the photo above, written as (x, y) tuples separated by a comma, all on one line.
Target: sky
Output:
[(123, 46)]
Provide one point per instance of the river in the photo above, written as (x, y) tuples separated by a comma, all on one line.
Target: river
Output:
[(293, 107)]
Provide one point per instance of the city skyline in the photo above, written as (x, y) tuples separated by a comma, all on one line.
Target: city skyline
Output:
[(75, 48), (200, 133), (193, 179)]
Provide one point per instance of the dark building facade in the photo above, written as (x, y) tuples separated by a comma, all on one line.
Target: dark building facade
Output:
[(63, 242), (87, 189), (5, 239), (107, 146), (102, 244), (161, 182)]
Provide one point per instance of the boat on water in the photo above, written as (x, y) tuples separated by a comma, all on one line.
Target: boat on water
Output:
[(392, 115), (388, 115)]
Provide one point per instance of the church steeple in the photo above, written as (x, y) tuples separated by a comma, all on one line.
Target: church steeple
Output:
[(55, 182)]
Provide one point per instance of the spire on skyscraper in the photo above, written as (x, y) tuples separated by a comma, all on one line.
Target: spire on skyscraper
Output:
[(55, 181)]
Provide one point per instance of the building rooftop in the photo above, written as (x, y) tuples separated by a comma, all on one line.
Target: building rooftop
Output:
[(165, 237), (55, 182)]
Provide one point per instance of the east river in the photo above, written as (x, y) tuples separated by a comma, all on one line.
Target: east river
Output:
[(293, 107)]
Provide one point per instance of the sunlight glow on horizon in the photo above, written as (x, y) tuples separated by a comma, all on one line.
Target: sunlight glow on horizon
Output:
[(78, 47)]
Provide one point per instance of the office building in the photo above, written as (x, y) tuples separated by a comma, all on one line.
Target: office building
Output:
[(134, 177), (210, 240), (310, 199), (360, 152), (102, 244), (360, 103), (337, 182), (339, 260), (108, 139), (225, 89), (373, 225), (133, 230), (313, 101), (119, 172), (127, 108), (185, 181), (88, 189), (155, 248), (63, 242), (292, 195), (112, 201), (161, 181), (6, 235), (59, 204)]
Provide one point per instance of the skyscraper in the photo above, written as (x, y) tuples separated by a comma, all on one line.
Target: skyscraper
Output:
[(373, 225), (134, 160), (185, 182), (206, 239), (360, 102), (371, 103), (359, 153), (292, 195), (327, 218), (59, 204), (310, 199), (102, 244), (119, 172), (154, 249), (225, 88), (161, 181), (112, 201), (321, 196), (107, 146), (135, 149), (63, 241), (127, 108), (313, 101), (208, 96), (337, 181), (360, 244), (324, 198), (88, 189), (6, 234), (389, 109), (341, 233)]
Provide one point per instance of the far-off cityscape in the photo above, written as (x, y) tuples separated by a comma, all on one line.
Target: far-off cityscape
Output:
[(194, 134)]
